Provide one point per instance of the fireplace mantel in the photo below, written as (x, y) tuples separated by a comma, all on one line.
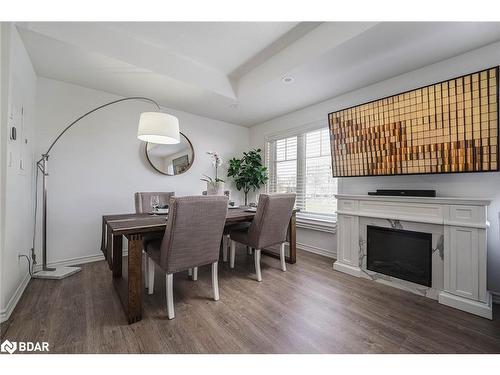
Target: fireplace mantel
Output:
[(426, 200), (458, 225)]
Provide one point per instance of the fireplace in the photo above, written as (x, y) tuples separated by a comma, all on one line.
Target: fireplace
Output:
[(400, 253)]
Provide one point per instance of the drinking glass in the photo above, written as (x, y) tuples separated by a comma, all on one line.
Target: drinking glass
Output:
[(155, 202)]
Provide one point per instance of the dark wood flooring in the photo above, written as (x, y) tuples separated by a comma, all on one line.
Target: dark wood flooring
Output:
[(309, 309)]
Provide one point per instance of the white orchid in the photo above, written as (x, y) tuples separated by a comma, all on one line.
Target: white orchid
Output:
[(215, 158), (216, 161)]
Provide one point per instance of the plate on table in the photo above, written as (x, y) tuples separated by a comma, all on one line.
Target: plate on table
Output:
[(160, 211)]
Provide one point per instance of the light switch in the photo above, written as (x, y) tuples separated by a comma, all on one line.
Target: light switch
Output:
[(13, 133)]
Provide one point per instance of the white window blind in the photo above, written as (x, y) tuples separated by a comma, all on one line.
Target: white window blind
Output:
[(302, 164)]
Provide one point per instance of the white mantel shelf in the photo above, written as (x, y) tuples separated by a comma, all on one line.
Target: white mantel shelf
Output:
[(458, 227), (427, 200)]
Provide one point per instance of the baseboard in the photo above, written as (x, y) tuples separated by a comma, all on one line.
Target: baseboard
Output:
[(474, 307), (11, 305), (495, 298), (346, 268), (317, 250), (75, 261)]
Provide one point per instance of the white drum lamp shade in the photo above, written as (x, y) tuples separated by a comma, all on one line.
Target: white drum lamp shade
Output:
[(157, 127)]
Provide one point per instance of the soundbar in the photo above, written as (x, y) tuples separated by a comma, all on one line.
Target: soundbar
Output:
[(404, 193)]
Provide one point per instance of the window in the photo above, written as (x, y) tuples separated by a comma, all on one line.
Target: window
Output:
[(301, 164)]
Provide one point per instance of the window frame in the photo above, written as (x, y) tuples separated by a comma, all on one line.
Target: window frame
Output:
[(317, 221)]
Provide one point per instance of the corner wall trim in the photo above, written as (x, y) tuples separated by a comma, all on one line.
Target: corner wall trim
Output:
[(11, 305)]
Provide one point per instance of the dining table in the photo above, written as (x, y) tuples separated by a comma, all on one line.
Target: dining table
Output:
[(127, 276)]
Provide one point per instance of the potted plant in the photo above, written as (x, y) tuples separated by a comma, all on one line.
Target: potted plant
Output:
[(215, 186), (248, 172)]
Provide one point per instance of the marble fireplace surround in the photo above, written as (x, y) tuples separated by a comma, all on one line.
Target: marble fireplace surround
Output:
[(458, 227)]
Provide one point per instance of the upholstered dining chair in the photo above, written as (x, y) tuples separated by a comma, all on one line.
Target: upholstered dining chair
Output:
[(143, 205), (143, 200), (225, 242), (268, 228), (191, 239)]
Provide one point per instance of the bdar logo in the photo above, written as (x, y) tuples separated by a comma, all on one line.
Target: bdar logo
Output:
[(9, 347), (24, 346)]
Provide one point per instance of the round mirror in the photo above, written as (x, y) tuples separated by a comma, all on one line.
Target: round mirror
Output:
[(171, 159)]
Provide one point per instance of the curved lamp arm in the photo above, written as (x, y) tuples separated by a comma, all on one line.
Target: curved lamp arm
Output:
[(46, 154), (42, 166)]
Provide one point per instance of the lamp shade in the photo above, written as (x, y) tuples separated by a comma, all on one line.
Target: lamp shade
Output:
[(157, 127)]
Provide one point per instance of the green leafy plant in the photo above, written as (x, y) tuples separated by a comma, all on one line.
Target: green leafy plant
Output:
[(248, 172)]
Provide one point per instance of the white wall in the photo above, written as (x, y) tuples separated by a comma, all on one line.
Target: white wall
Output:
[(18, 93), (3, 167), (464, 185), (99, 164)]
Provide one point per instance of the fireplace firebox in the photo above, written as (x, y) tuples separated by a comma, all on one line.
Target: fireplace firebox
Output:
[(400, 253)]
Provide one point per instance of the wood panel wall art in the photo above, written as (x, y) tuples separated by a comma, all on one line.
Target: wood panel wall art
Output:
[(447, 127)]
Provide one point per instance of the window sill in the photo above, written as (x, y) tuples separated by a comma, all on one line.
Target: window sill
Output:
[(327, 225)]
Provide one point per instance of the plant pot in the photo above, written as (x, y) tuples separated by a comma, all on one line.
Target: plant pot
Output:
[(215, 188)]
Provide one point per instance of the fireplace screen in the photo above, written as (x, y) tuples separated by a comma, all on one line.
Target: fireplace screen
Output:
[(400, 253)]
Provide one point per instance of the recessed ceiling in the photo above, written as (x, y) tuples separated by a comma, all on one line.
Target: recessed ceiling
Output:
[(207, 42), (236, 71)]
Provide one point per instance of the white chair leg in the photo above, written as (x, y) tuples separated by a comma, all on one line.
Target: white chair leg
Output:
[(257, 264), (170, 295), (249, 250), (190, 272), (282, 257), (151, 275), (215, 281), (225, 245), (195, 273), (232, 254)]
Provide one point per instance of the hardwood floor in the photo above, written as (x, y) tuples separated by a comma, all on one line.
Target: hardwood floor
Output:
[(309, 309)]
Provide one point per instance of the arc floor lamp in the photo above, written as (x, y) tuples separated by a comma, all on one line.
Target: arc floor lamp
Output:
[(154, 127)]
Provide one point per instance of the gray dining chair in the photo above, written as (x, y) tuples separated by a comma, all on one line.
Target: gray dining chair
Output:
[(143, 200), (192, 238), (225, 242), (143, 205), (268, 228)]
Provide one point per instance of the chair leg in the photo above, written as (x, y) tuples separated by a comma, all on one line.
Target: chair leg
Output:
[(282, 257), (151, 275), (170, 295), (249, 250), (145, 268), (225, 244), (257, 264), (232, 254), (215, 281), (195, 273)]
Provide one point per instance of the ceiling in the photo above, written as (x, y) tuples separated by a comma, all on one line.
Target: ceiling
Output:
[(233, 71)]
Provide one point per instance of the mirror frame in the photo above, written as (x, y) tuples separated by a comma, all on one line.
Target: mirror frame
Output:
[(166, 174)]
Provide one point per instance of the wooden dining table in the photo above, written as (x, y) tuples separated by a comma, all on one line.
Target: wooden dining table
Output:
[(128, 279)]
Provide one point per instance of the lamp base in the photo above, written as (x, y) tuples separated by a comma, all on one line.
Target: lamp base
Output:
[(57, 274)]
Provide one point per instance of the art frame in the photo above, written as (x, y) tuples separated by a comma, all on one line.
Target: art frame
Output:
[(462, 147), (181, 164)]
